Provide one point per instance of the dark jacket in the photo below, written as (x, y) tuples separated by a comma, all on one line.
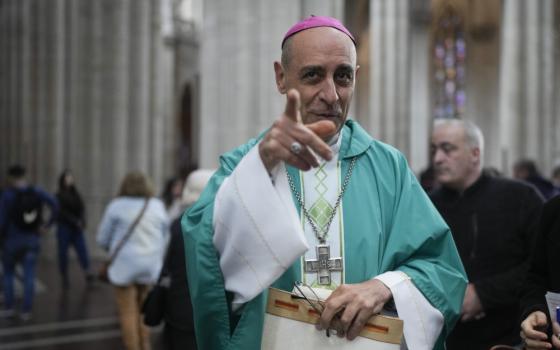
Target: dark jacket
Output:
[(543, 274), (545, 187), (493, 224), (178, 308), (71, 208)]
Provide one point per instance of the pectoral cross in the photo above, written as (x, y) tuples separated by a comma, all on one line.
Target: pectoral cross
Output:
[(323, 265)]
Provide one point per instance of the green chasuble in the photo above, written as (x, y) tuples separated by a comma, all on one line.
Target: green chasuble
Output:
[(389, 224)]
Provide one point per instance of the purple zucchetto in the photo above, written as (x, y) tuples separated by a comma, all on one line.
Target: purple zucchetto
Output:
[(314, 22)]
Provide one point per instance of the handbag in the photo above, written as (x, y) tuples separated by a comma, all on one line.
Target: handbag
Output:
[(103, 272), (154, 305)]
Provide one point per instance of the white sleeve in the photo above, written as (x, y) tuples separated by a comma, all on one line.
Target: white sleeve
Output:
[(256, 229), (422, 322)]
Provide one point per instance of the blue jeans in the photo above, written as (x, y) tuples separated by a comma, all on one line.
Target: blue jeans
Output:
[(67, 236), (19, 251)]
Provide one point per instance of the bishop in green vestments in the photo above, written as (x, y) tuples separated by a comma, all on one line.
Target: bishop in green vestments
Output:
[(247, 232)]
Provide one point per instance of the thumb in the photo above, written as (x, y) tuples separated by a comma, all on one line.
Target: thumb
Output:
[(323, 128), (540, 319), (293, 105)]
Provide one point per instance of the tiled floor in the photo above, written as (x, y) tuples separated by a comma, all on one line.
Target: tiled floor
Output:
[(80, 318)]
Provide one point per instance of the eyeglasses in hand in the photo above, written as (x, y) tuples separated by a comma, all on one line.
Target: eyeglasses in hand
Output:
[(316, 303)]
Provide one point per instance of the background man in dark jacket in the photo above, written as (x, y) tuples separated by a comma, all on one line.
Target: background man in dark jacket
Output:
[(21, 222), (493, 222)]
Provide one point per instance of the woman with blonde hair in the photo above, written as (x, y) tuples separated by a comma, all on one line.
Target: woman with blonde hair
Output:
[(134, 230)]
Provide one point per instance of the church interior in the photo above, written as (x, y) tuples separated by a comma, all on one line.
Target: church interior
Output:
[(164, 87)]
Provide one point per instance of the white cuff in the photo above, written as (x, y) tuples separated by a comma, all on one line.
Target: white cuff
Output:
[(422, 322), (256, 229), (392, 278)]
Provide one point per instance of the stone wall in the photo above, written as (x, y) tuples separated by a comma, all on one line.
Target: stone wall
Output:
[(86, 85)]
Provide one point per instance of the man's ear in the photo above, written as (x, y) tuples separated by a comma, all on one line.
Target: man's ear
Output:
[(476, 155), (280, 77), (356, 74)]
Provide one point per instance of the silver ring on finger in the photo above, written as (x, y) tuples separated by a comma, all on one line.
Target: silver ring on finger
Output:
[(295, 147)]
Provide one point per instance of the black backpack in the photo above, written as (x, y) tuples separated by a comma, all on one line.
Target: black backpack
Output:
[(27, 210)]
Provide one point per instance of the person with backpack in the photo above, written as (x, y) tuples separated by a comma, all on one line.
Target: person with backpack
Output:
[(21, 222)]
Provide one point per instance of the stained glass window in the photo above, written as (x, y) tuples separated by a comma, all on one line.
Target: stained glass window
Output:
[(449, 66)]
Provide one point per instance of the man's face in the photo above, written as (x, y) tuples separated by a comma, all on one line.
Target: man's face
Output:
[(322, 67), (68, 180), (520, 173), (456, 164)]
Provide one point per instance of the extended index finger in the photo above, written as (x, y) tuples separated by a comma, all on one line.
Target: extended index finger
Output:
[(293, 105)]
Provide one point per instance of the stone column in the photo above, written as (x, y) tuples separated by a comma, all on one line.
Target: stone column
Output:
[(4, 71), (46, 81), (162, 111), (482, 27), (334, 8), (555, 125), (420, 119), (510, 81), (58, 86), (549, 147), (389, 117), (81, 152), (240, 42), (528, 115), (13, 54), (15, 36), (80, 89)]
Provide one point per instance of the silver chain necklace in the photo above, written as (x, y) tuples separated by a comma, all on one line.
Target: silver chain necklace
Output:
[(322, 238)]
